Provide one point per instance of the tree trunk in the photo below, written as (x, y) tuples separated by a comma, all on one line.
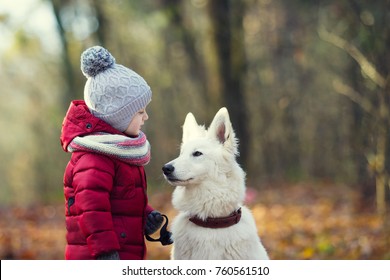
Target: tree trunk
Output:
[(227, 26), (102, 31), (69, 88)]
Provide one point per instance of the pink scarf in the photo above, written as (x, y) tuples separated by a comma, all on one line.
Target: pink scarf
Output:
[(131, 150)]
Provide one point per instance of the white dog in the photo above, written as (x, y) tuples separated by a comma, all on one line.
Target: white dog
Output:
[(210, 187)]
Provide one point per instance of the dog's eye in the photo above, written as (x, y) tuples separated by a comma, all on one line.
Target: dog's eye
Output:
[(197, 154)]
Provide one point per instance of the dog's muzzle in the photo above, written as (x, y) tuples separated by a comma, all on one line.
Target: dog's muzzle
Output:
[(168, 169)]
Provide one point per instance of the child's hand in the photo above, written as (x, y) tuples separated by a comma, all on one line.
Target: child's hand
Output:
[(153, 222)]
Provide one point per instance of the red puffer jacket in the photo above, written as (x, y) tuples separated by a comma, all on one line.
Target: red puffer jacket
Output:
[(105, 199)]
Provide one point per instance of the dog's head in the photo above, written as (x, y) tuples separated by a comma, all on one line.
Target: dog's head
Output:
[(204, 154)]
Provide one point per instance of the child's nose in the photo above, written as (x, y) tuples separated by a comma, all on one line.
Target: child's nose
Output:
[(146, 116)]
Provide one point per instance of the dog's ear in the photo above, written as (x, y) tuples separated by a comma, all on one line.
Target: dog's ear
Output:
[(191, 128), (221, 129)]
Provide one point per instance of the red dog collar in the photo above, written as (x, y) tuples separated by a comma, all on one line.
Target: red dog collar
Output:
[(223, 222)]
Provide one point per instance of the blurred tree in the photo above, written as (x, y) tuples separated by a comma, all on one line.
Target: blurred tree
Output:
[(227, 30), (178, 30), (69, 85), (372, 92), (103, 30)]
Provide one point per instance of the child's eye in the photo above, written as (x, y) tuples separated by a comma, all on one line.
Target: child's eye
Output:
[(197, 154)]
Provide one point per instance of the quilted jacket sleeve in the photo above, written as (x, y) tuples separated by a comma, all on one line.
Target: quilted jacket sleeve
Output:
[(93, 182), (149, 209)]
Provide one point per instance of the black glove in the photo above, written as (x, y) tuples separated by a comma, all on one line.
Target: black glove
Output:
[(153, 222), (165, 235), (114, 255)]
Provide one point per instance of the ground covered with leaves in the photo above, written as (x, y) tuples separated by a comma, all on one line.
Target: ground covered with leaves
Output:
[(302, 221)]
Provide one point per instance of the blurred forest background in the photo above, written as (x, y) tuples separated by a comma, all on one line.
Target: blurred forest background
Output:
[(306, 83)]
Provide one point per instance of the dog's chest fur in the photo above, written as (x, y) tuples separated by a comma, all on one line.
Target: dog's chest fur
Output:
[(236, 242)]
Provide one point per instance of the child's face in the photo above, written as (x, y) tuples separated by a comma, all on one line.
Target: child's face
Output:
[(136, 123)]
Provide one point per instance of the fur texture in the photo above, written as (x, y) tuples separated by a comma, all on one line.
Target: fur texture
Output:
[(210, 183)]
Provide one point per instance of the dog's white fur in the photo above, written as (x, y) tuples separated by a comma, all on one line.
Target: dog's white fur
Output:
[(210, 183)]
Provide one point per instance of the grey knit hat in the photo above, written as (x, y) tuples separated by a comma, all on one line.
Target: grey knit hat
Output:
[(112, 92)]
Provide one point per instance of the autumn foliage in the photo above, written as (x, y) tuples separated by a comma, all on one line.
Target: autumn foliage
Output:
[(321, 221)]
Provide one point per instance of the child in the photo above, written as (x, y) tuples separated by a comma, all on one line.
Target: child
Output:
[(106, 205)]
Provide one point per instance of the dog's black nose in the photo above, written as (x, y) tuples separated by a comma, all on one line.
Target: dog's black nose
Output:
[(168, 169)]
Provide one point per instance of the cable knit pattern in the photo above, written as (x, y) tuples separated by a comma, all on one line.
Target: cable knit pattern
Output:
[(113, 92), (131, 150)]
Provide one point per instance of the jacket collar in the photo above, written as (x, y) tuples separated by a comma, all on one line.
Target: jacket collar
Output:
[(79, 121)]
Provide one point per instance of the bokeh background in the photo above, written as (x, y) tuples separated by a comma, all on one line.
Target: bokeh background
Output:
[(306, 83)]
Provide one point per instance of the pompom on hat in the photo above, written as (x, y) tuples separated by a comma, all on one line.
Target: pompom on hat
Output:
[(113, 92)]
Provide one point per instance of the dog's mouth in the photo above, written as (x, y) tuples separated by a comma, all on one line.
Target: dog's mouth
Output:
[(175, 181)]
